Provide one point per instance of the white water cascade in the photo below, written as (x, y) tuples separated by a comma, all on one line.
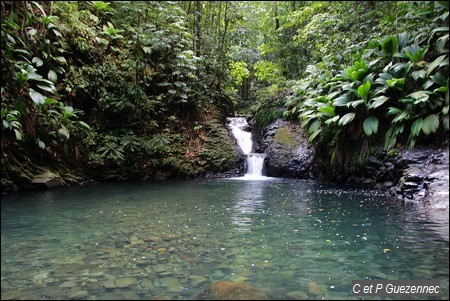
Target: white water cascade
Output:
[(255, 162)]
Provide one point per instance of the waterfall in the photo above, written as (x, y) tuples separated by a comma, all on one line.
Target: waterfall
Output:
[(255, 162), (238, 125)]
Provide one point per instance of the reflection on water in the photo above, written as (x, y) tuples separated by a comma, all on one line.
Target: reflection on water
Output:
[(143, 240), (249, 201)]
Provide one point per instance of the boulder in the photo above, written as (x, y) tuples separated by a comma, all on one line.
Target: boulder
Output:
[(47, 180), (288, 153)]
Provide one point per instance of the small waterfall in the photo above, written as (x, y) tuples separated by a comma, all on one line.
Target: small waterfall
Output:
[(238, 125), (255, 162)]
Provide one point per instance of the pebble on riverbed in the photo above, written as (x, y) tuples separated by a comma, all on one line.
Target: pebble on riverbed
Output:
[(227, 290)]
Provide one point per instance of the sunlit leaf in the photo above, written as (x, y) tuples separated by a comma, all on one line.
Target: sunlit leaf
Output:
[(37, 97), (37, 61), (32, 31), (347, 118), (63, 132), (52, 76), (378, 101)]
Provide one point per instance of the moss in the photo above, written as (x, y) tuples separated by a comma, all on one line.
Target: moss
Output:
[(283, 136)]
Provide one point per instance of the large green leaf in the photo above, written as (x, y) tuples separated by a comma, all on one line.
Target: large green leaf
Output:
[(370, 125), (402, 116), (430, 124), (347, 118), (416, 127), (439, 79), (45, 87), (420, 96), (37, 61), (64, 132), (332, 120), (389, 45), (342, 100), (52, 76), (314, 135), (396, 83), (378, 101), (355, 103), (37, 97), (314, 126), (363, 90), (418, 74), (431, 66), (445, 122), (328, 110), (415, 53)]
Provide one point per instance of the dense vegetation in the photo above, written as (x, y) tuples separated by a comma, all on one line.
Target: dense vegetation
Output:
[(130, 89)]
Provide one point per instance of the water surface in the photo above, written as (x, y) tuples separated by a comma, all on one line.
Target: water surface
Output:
[(139, 240)]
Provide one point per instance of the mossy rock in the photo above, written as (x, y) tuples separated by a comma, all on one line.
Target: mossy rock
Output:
[(283, 136)]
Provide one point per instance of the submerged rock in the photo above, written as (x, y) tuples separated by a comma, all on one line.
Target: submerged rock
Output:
[(124, 282), (317, 289), (297, 295), (227, 290)]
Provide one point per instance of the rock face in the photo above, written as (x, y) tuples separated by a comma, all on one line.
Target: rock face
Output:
[(227, 290), (425, 177), (287, 151)]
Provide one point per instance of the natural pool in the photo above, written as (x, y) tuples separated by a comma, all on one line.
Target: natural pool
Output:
[(141, 240)]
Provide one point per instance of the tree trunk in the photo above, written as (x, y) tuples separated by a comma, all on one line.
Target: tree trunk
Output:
[(222, 45), (275, 12), (197, 28)]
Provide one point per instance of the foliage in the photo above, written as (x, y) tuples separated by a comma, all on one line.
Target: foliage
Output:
[(239, 71), (404, 86), (267, 71), (130, 87)]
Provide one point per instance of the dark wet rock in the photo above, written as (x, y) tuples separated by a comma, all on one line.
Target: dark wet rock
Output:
[(425, 177), (8, 186), (415, 156), (227, 290), (288, 153)]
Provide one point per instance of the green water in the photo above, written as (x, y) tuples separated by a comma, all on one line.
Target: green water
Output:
[(140, 240)]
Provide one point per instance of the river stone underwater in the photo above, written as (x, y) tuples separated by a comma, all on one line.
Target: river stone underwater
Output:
[(139, 240)]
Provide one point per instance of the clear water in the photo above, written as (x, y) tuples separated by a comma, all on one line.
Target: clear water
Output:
[(140, 240)]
